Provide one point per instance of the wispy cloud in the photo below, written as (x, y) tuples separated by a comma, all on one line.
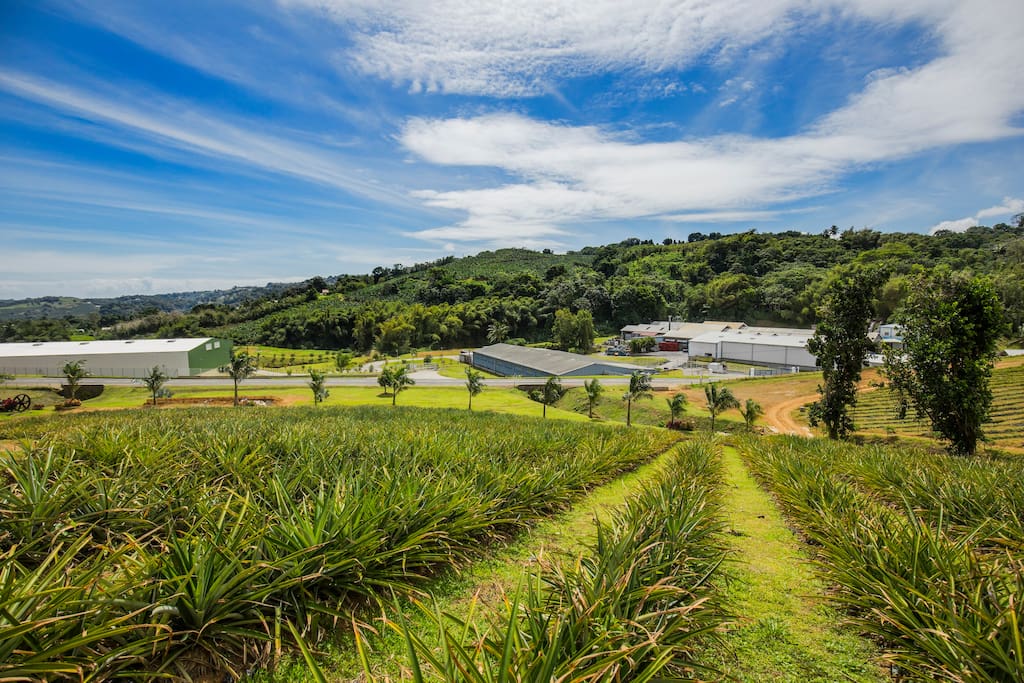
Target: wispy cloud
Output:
[(182, 126), (1010, 206)]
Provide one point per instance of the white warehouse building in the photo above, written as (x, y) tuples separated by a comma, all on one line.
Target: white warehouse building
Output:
[(117, 358), (779, 347)]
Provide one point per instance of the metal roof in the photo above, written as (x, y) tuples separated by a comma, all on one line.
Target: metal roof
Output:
[(548, 361), (761, 336), (691, 330), (84, 349), (677, 329)]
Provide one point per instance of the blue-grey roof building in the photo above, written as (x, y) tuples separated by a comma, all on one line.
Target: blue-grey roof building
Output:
[(510, 360)]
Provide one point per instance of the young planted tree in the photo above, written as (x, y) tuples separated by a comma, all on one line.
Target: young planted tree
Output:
[(751, 410), (155, 380), (474, 384), (74, 373), (719, 400), (951, 325), (841, 344), (676, 406), (342, 360), (594, 390), (241, 368), (400, 379), (386, 378), (318, 383), (639, 387), (549, 395)]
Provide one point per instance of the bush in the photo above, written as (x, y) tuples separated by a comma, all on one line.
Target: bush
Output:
[(684, 424)]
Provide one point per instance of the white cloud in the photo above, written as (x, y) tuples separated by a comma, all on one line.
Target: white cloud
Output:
[(569, 174), (1010, 206), (959, 225)]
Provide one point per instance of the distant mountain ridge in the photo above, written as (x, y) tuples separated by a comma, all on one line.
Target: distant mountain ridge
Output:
[(130, 305)]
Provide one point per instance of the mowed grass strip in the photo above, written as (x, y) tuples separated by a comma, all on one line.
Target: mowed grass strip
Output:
[(785, 629)]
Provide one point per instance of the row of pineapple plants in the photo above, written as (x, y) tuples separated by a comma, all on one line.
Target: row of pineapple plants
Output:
[(192, 543), (641, 604), (925, 550)]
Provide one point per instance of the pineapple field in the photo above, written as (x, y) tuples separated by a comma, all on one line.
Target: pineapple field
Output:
[(289, 544)]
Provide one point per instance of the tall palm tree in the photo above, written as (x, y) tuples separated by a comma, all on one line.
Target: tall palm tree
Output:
[(639, 387), (550, 394), (719, 400), (594, 391), (474, 384)]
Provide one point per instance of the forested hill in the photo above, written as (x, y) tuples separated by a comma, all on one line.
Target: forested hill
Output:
[(766, 278)]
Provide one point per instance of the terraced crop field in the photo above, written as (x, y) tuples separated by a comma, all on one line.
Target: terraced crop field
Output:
[(876, 411)]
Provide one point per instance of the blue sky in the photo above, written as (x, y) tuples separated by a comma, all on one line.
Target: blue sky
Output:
[(154, 147)]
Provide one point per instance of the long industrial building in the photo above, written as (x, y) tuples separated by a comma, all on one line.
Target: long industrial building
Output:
[(119, 358), (510, 360), (771, 346)]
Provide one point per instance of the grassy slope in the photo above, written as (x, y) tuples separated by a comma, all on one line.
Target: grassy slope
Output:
[(784, 630)]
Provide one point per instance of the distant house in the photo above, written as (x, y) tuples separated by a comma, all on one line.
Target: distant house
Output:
[(117, 358), (771, 346), (508, 360)]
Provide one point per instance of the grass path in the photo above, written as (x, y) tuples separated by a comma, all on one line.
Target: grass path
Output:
[(784, 631)]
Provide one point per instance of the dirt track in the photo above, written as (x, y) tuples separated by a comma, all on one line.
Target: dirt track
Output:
[(779, 416)]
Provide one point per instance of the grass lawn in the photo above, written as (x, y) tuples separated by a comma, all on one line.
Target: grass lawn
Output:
[(494, 399), (784, 630)]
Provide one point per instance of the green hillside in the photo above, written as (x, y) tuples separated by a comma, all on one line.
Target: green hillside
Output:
[(764, 278)]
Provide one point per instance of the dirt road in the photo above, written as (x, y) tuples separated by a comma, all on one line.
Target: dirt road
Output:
[(778, 416)]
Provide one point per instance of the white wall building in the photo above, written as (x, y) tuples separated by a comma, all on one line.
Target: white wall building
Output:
[(118, 358), (781, 347)]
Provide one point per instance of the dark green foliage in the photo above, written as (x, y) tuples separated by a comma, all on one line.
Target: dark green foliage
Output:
[(952, 323), (753, 277), (841, 345), (573, 332)]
